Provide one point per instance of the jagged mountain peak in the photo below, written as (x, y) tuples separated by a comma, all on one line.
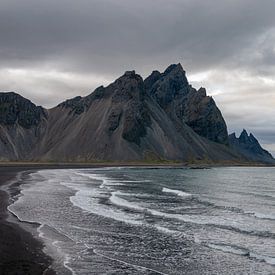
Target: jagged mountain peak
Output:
[(128, 77), (244, 136), (129, 85), (249, 146), (130, 74), (173, 78), (202, 91), (177, 72), (174, 68), (247, 138), (180, 100)]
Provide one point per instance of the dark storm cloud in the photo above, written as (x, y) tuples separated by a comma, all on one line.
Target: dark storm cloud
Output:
[(52, 50), (107, 34)]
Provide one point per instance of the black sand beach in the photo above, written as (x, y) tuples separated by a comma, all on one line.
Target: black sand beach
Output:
[(20, 252)]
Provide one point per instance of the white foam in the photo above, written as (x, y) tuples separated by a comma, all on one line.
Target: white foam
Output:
[(104, 211), (267, 259), (106, 182), (53, 249), (87, 199), (126, 263), (229, 249), (176, 192), (264, 216), (136, 181), (17, 215), (167, 231), (242, 251), (66, 264), (239, 224), (116, 200)]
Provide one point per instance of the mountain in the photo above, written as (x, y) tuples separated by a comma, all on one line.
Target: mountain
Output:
[(182, 102), (249, 147), (159, 118), (122, 122)]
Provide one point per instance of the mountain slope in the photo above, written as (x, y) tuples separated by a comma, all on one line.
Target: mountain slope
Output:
[(248, 146)]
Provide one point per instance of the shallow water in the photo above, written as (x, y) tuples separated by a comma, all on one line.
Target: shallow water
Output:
[(154, 221)]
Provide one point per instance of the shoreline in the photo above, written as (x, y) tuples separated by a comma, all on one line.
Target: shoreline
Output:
[(20, 251), (24, 166)]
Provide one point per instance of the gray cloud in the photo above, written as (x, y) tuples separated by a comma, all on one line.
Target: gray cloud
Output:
[(52, 50)]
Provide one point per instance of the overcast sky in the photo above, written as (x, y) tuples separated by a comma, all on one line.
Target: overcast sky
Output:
[(51, 50)]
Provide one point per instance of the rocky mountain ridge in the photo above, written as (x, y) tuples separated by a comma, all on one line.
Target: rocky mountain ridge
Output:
[(249, 146), (160, 118)]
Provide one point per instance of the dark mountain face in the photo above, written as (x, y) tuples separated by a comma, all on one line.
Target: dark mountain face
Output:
[(248, 146), (167, 87), (194, 108), (128, 108), (16, 109), (160, 118), (21, 126)]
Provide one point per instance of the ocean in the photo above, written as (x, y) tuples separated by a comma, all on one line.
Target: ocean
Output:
[(134, 220)]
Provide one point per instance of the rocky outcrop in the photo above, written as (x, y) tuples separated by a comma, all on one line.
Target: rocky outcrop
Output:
[(21, 126), (16, 109), (181, 101), (249, 147)]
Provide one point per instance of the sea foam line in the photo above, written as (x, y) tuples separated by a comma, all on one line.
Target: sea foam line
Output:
[(264, 216), (115, 199), (106, 182), (242, 251), (52, 248), (126, 263), (176, 192)]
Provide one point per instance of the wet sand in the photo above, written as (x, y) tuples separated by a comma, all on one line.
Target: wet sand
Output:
[(20, 252)]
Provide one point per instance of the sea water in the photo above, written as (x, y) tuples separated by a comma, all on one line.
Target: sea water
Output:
[(153, 220)]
